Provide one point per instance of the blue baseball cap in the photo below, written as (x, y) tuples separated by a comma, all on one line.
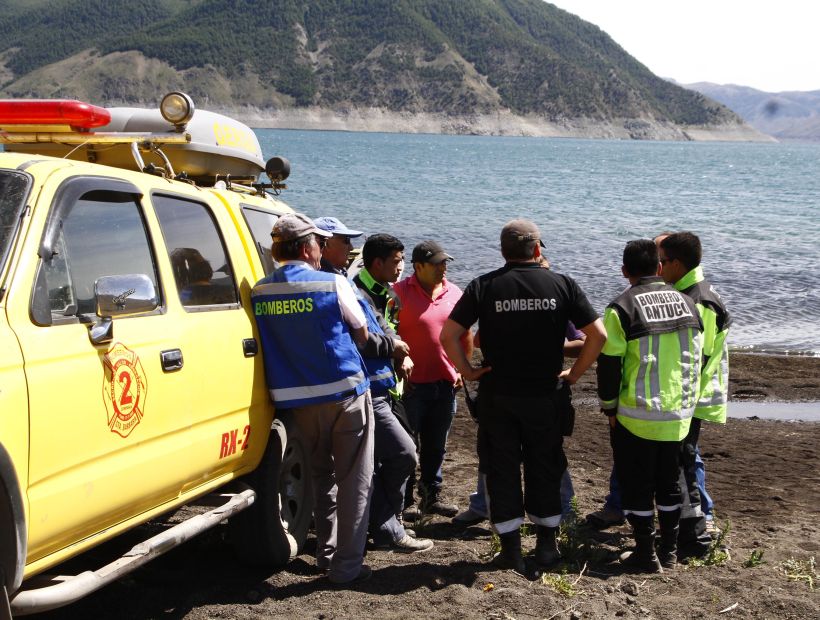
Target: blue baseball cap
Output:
[(334, 225)]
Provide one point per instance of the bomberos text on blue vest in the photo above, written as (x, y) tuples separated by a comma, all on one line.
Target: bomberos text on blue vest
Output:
[(280, 306)]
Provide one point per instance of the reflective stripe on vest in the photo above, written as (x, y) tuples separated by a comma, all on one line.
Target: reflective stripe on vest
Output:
[(713, 396), (655, 425), (317, 391), (309, 353), (654, 415), (290, 288), (379, 369), (387, 374), (648, 416)]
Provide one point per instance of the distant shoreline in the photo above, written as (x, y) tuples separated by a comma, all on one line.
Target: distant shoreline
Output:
[(502, 123)]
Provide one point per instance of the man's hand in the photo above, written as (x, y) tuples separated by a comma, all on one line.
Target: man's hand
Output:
[(593, 343), (406, 369), (401, 350), (471, 373), (566, 377), (610, 416)]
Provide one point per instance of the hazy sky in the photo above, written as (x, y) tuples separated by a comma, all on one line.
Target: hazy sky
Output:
[(771, 46)]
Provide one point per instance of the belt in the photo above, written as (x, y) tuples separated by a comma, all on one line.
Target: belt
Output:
[(348, 394)]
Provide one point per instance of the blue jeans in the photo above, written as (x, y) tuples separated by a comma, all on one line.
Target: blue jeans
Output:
[(395, 457), (706, 503), (430, 408), (478, 500)]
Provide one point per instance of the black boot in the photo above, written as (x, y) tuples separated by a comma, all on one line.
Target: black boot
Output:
[(546, 546), (667, 550), (693, 541), (510, 557), (643, 558)]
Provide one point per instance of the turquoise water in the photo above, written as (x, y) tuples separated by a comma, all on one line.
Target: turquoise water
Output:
[(756, 208)]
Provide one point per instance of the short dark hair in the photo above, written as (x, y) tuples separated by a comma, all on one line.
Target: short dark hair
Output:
[(512, 249), (685, 247), (641, 258), (380, 245), (290, 250)]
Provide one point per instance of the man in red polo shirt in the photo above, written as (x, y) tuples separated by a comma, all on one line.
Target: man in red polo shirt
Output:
[(425, 301)]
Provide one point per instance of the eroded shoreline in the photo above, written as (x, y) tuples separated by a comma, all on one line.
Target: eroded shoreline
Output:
[(502, 123)]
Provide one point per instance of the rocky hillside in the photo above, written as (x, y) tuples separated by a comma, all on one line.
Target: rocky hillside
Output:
[(785, 115), (522, 61)]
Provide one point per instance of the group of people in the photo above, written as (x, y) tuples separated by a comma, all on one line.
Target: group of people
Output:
[(371, 367)]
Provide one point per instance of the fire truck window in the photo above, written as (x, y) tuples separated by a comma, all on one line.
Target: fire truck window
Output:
[(103, 235), (202, 271), (260, 224), (13, 193)]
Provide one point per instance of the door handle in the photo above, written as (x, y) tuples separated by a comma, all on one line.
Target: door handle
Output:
[(249, 347), (171, 360)]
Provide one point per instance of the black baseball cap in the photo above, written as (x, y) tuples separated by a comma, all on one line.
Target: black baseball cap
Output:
[(429, 252)]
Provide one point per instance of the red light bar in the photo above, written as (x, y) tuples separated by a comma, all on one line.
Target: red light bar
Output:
[(52, 112)]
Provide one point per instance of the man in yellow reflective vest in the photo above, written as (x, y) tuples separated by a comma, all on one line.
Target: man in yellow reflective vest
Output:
[(680, 256), (648, 385)]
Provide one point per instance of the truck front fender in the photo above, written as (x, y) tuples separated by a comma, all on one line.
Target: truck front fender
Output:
[(12, 525)]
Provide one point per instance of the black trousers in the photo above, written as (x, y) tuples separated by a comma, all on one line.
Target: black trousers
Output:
[(647, 472), (693, 521), (516, 430)]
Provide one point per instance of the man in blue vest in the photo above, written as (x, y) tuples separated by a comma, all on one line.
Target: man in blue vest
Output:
[(310, 324)]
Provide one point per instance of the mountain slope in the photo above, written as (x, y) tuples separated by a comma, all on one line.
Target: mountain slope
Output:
[(785, 115), (525, 58)]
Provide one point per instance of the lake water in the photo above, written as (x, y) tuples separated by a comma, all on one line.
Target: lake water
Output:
[(801, 412), (756, 208)]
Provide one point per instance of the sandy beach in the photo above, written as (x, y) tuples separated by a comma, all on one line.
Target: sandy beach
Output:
[(763, 476)]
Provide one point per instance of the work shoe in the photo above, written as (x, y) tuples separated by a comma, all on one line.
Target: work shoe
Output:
[(546, 546), (605, 517), (411, 514), (712, 528), (510, 558), (438, 507), (643, 558), (669, 522), (469, 517), (408, 544), (693, 549), (640, 562), (667, 549), (365, 573)]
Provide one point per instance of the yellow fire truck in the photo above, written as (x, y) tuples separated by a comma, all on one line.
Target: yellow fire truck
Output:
[(131, 378)]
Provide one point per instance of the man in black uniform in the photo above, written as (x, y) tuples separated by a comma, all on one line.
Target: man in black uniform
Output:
[(523, 312)]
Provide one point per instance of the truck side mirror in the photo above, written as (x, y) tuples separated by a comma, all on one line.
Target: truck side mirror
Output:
[(120, 295)]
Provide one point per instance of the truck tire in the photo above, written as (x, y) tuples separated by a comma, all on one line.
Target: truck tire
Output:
[(13, 540), (274, 529)]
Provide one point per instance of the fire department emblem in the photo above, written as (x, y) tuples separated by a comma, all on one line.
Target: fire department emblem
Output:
[(124, 389)]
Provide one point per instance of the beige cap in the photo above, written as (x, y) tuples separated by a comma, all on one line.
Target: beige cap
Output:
[(294, 225), (520, 231)]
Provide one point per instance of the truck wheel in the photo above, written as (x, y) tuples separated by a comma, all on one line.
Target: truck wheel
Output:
[(274, 529), (13, 539)]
